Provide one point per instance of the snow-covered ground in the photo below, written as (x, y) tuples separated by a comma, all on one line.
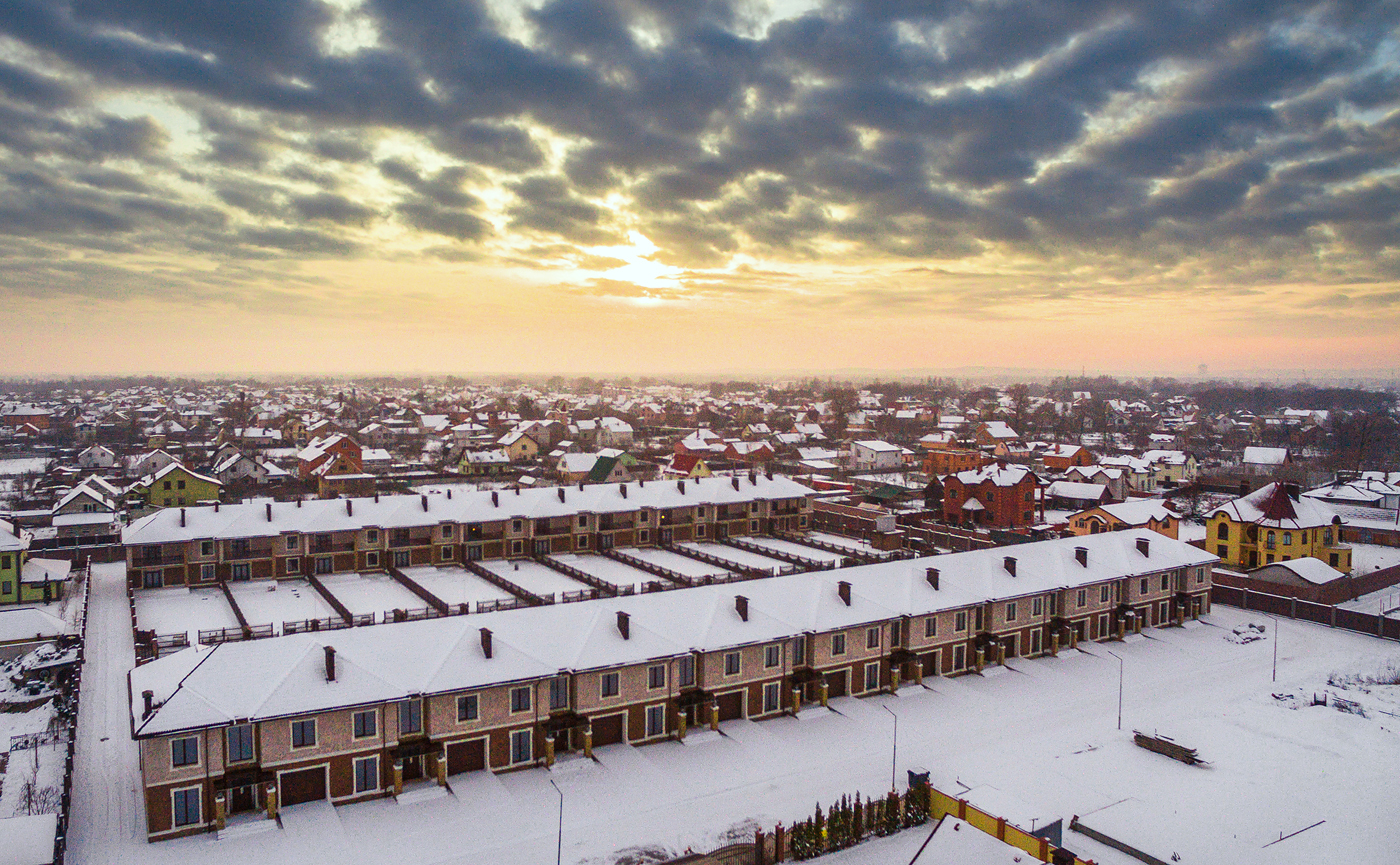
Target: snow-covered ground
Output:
[(1366, 558), (1188, 531), (857, 544), (456, 585), (536, 578), (738, 556), (182, 610), (364, 594), (1384, 602), (12, 466), (608, 570), (276, 601), (1043, 733), (810, 553), (678, 563)]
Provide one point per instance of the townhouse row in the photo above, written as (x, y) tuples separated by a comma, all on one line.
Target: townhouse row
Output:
[(358, 714), (266, 540)]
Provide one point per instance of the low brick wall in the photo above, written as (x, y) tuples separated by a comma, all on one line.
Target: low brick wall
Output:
[(1335, 592)]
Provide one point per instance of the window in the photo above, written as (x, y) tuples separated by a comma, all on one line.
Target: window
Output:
[(731, 664), (838, 644), (240, 743), (686, 671), (516, 547), (582, 521), (371, 560), (610, 683), (643, 536), (977, 615), (446, 554), (1222, 532), (291, 542), (1082, 597), (753, 525), (323, 564), (517, 526), (410, 716), (447, 532), (467, 708), (184, 752), (872, 638), (241, 570), (185, 805), (179, 485), (402, 558), (960, 621), (1200, 575), (656, 676), (293, 566), (656, 720), (959, 657), (166, 486), (931, 626), (1166, 582), (872, 677), (304, 733), (1142, 586), (366, 774), (366, 724), (771, 697), (206, 573), (206, 548), (1287, 539), (149, 580), (1269, 541), (371, 536), (520, 699), (772, 656), (521, 750), (1103, 594), (1222, 551), (1037, 606), (1011, 612)]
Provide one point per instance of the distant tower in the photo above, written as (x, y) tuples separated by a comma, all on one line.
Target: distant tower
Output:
[(1202, 369)]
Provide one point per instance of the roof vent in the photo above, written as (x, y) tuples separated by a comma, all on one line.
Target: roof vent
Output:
[(298, 501), (680, 485), (486, 642), (349, 508), (843, 589), (741, 606), (1081, 555), (1142, 545), (931, 574), (624, 625), (1009, 562), (216, 507), (182, 518), (330, 663), (269, 512)]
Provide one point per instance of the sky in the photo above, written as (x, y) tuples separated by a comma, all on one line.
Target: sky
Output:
[(679, 186)]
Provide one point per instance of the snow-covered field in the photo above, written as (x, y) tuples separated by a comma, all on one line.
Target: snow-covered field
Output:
[(182, 610), (606, 569), (12, 466), (1366, 558), (1042, 733), (738, 556), (536, 578), (678, 563), (276, 601), (810, 553), (363, 594), (456, 585)]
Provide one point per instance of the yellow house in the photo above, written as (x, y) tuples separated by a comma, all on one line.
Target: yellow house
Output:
[(1134, 514), (176, 486), (1273, 524), (520, 446), (24, 579)]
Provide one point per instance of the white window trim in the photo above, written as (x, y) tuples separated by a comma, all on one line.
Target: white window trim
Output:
[(199, 799)]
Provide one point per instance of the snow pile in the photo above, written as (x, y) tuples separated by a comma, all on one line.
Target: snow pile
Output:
[(16, 683), (1246, 633)]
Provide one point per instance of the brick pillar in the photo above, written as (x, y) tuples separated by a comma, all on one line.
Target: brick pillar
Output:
[(714, 715), (588, 743), (549, 750), (1055, 643), (442, 769), (270, 797), (779, 836), (398, 777), (1001, 654), (919, 670), (758, 848), (981, 658), (220, 812), (681, 726), (796, 701), (824, 691)]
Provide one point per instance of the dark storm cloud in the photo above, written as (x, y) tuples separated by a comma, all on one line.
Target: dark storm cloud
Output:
[(1154, 130)]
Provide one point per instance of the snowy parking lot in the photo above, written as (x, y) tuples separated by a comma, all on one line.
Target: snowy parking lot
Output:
[(1038, 737)]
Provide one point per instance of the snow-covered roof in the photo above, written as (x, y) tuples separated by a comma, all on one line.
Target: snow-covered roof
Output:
[(1260, 456), (1075, 490), (282, 676), (1308, 568), (1271, 506), (1002, 476), (1138, 511), (330, 515)]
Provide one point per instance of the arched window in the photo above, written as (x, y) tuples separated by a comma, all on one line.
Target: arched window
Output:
[(1223, 533), (1269, 540)]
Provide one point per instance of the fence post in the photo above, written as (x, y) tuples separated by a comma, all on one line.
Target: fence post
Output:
[(1293, 608), (758, 848), (1332, 617)]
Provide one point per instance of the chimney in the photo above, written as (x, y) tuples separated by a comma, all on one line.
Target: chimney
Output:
[(495, 499), (425, 501), (376, 498), (1081, 555), (148, 698), (624, 625), (330, 663), (622, 488), (1142, 546), (349, 508), (680, 485), (449, 492), (741, 605), (298, 501), (641, 483), (843, 589), (561, 494), (269, 512), (931, 574), (753, 479), (580, 486), (735, 481), (768, 475), (182, 518), (486, 642), (517, 490), (216, 507), (1009, 562)]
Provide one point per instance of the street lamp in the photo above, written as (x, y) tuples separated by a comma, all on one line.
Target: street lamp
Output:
[(559, 848), (894, 751), (1120, 686), (1275, 678)]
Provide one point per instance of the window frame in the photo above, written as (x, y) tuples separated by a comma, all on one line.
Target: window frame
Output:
[(412, 707), (181, 794), (521, 699), (296, 727), (606, 680), (359, 730), (239, 730), (656, 677), (517, 736), (772, 656), (180, 752), (838, 644), (357, 765), (733, 663)]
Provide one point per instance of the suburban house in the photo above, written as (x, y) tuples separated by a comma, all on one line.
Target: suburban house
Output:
[(263, 725), (175, 486), (97, 457), (1061, 458), (321, 450), (24, 579), (995, 496), (1074, 495), (994, 432), (485, 462), (1150, 514), (874, 455), (686, 466), (1264, 461), (1273, 524), (947, 461), (519, 446)]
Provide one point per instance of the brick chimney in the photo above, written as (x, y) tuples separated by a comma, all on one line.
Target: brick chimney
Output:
[(931, 574), (148, 699), (1081, 555), (1142, 546), (1009, 562), (349, 507), (843, 589), (741, 605), (182, 518), (495, 499), (735, 481), (425, 501), (486, 642), (622, 488), (330, 663), (561, 494), (624, 625), (269, 512)]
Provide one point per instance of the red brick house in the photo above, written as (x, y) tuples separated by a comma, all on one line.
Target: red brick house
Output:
[(996, 496), (1061, 458), (314, 455)]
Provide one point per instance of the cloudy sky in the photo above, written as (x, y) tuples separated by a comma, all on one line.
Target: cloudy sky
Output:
[(682, 185)]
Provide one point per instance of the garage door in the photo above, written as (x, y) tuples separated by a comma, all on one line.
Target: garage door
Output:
[(306, 785), (836, 683), (731, 705), (466, 756), (607, 730)]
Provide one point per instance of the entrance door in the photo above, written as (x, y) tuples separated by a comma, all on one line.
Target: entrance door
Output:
[(306, 785), (413, 767), (836, 683), (242, 799), (466, 756)]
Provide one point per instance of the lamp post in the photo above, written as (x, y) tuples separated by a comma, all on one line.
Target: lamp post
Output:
[(894, 750), (1275, 675), (1120, 686), (559, 846)]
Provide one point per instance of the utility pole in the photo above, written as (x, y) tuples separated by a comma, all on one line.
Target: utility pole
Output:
[(559, 846), (894, 751), (1120, 686), (1275, 677)]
